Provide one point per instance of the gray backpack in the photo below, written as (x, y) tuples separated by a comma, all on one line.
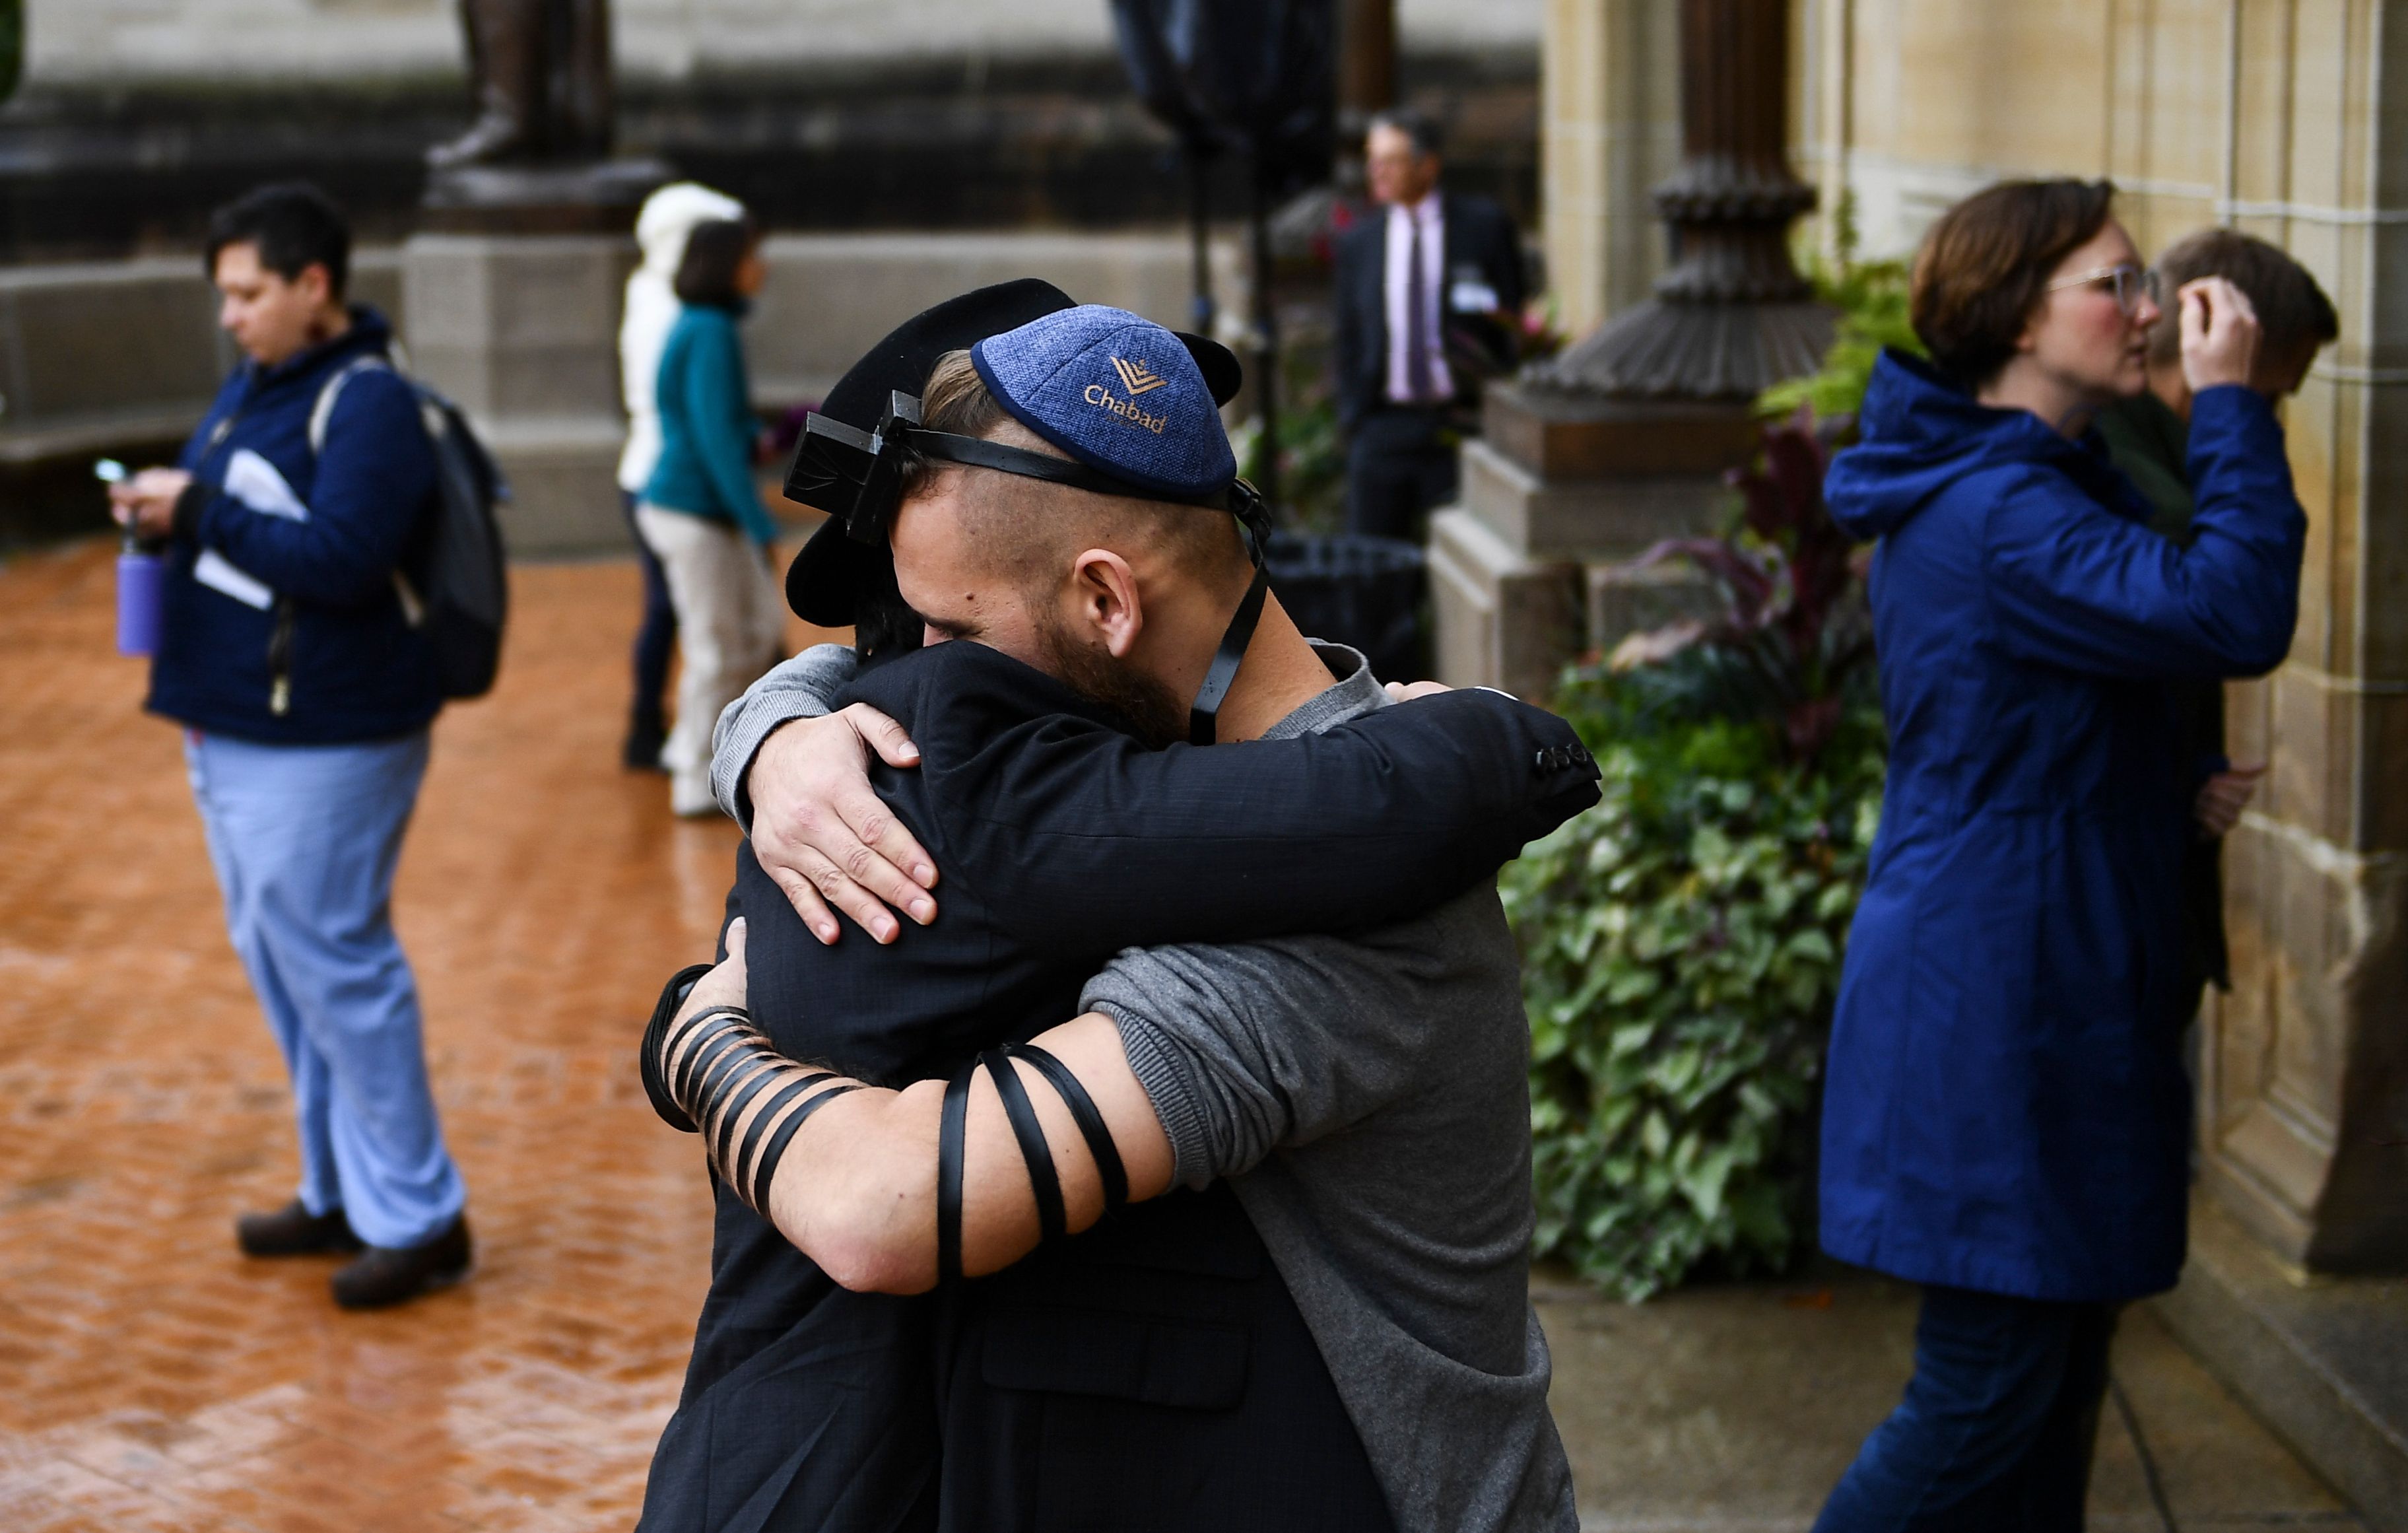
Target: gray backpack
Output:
[(461, 597)]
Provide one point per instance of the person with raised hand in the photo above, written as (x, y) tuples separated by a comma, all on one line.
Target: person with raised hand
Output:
[(2005, 1118)]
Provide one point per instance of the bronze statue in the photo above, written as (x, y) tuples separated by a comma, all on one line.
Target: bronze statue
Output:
[(539, 71)]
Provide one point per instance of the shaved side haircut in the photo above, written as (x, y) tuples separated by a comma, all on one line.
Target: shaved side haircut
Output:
[(1029, 529)]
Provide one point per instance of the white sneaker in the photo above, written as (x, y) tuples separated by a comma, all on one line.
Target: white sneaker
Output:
[(690, 796)]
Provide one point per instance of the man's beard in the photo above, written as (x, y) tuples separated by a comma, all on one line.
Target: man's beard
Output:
[(1153, 714)]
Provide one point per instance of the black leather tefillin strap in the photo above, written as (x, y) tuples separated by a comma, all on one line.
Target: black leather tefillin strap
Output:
[(649, 1055), (1044, 1179), (952, 1135), (704, 1071), (871, 465)]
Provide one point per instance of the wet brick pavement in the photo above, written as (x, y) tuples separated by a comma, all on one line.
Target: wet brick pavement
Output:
[(151, 1378)]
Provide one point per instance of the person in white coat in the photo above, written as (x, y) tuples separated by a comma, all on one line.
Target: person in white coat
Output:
[(668, 217)]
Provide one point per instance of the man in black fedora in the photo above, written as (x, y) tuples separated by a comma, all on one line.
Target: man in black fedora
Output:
[(1157, 1371)]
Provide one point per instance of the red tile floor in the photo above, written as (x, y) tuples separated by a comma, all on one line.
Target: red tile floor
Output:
[(151, 1378)]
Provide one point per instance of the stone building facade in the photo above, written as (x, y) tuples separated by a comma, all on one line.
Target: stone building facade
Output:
[(2287, 119), (117, 41)]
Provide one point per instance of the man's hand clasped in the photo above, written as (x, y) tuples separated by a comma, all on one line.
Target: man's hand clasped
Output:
[(824, 836), (2222, 798)]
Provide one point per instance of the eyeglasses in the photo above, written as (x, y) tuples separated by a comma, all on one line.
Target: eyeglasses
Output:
[(2128, 281)]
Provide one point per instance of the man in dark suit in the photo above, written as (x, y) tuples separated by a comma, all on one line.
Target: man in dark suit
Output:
[(1429, 293)]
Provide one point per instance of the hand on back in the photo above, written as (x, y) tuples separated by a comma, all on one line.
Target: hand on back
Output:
[(826, 837), (2222, 798)]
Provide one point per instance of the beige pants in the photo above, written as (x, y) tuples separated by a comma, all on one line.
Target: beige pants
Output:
[(731, 621)]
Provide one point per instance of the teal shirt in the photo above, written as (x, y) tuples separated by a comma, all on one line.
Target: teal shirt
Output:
[(707, 425)]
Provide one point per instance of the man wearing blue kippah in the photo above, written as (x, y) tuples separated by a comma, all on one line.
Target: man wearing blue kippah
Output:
[(1326, 1323)]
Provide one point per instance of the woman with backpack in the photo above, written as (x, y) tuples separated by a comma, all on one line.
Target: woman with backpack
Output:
[(700, 513)]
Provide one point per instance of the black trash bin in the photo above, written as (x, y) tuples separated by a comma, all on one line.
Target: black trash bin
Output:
[(1352, 589)]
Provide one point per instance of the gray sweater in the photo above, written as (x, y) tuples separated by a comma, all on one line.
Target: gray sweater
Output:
[(1368, 1098)]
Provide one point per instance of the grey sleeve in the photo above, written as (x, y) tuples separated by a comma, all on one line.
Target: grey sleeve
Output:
[(799, 688), (1245, 1049)]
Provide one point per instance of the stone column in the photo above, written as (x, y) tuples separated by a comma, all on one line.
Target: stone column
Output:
[(2304, 1120), (1610, 86), (522, 332), (1622, 439), (513, 291)]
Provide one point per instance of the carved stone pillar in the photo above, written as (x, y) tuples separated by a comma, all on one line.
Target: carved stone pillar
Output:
[(1733, 316), (1622, 439)]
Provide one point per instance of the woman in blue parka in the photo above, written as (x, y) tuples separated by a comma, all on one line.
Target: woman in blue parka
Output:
[(2006, 1119)]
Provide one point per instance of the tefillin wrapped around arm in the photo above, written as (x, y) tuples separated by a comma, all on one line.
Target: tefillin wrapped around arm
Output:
[(703, 1071), (1028, 1134)]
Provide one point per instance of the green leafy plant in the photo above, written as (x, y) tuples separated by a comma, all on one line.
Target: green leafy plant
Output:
[(1682, 941), (1313, 453), (1793, 641), (1871, 298), (1681, 948)]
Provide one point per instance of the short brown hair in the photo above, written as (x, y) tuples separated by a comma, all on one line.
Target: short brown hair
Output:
[(714, 253), (1030, 534), (2292, 310), (1984, 267)]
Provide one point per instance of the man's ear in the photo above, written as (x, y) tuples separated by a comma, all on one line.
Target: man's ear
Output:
[(1109, 606), (317, 284)]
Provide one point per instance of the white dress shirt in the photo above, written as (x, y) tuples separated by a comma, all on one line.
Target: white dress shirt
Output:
[(1401, 222)]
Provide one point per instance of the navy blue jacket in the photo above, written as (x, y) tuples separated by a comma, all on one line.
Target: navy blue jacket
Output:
[(1061, 840), (312, 558), (2005, 1107)]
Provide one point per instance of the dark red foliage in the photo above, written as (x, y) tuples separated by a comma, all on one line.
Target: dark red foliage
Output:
[(1793, 634)]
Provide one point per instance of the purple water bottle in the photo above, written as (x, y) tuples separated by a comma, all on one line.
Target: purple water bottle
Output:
[(141, 581)]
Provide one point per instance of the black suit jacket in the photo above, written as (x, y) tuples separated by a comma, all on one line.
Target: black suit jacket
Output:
[(1482, 244), (1061, 840)]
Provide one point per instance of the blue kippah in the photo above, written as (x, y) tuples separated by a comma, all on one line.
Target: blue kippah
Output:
[(1115, 391)]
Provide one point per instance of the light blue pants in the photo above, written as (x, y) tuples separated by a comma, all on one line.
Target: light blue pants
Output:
[(304, 840)]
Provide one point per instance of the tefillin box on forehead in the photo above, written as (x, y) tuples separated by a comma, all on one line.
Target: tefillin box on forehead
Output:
[(1036, 371), (854, 476)]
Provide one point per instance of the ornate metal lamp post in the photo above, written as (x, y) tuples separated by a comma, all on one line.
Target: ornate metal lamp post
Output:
[(1624, 438), (1733, 316)]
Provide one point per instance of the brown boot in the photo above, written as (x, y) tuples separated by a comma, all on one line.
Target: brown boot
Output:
[(387, 1275), (294, 1231)]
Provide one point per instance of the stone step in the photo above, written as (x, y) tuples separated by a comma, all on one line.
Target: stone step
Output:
[(2323, 1362)]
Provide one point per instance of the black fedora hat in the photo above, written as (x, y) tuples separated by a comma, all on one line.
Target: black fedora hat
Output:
[(833, 570), (828, 578)]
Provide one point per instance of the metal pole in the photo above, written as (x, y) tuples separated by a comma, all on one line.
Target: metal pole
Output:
[(1266, 335), (1201, 309)]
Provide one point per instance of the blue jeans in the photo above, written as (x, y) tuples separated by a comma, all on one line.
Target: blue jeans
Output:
[(1997, 1427), (305, 841), (656, 637)]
